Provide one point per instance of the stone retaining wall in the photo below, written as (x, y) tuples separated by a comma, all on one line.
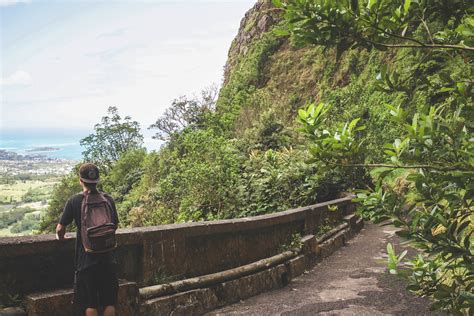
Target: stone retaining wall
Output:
[(147, 255)]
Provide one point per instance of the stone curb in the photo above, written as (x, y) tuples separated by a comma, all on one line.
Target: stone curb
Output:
[(59, 303), (200, 301)]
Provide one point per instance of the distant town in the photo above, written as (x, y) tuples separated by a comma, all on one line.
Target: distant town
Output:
[(26, 184), (13, 164)]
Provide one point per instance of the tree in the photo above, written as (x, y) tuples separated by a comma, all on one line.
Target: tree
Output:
[(112, 138), (184, 112), (433, 202), (116, 147), (193, 177), (125, 174)]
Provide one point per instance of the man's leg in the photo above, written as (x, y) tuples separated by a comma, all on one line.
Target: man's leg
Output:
[(92, 312), (109, 310), (85, 292), (108, 288)]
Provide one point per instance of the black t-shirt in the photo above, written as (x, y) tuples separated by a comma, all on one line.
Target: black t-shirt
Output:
[(72, 211)]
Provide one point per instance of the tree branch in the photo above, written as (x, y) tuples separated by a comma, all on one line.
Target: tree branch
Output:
[(427, 28), (425, 46), (420, 44), (399, 36), (380, 165)]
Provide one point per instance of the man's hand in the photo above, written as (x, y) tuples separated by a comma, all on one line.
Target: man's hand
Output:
[(61, 232)]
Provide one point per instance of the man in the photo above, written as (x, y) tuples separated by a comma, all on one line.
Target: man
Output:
[(95, 282)]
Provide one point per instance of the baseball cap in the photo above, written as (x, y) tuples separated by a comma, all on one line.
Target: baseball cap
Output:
[(89, 173)]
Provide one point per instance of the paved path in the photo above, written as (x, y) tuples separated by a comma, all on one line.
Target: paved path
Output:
[(352, 281)]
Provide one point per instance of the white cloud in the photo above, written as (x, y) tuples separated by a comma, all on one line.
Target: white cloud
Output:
[(115, 33), (137, 57), (18, 78), (4, 3)]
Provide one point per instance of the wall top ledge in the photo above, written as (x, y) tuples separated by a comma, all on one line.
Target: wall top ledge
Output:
[(127, 236)]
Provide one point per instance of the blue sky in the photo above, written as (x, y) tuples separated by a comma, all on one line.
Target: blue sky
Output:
[(64, 62)]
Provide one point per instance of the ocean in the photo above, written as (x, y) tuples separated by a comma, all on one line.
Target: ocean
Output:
[(25, 141), (66, 141)]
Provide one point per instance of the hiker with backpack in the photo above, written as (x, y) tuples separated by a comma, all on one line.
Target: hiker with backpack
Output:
[(95, 216)]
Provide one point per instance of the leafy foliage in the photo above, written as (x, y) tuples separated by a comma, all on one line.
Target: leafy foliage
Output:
[(184, 112), (8, 218), (194, 177), (394, 259), (116, 147), (29, 223), (111, 138), (122, 178), (278, 180), (293, 243), (435, 140), (247, 76), (379, 24)]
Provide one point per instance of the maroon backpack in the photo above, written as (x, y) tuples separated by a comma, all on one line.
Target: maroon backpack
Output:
[(98, 224)]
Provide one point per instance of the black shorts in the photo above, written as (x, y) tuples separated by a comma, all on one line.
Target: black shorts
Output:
[(96, 286)]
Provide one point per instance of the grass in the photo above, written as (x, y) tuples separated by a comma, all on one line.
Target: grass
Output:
[(24, 194), (5, 232), (25, 224), (6, 208), (13, 193)]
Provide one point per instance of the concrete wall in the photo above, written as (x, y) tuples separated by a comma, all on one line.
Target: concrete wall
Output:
[(146, 255)]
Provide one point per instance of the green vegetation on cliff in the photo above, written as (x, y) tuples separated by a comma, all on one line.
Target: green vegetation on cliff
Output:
[(241, 154)]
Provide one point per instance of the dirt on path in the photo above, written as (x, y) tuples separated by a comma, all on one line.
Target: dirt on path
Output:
[(352, 281)]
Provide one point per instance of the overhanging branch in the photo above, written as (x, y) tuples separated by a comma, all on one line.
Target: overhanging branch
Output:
[(425, 46), (420, 166)]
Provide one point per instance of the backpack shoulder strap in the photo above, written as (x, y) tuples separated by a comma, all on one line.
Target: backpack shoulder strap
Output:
[(104, 198), (85, 195), (109, 206)]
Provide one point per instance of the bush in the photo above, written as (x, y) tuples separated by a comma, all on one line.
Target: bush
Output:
[(13, 216), (194, 177), (28, 224)]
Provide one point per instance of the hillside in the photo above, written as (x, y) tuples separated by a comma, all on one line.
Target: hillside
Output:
[(243, 155), (268, 76)]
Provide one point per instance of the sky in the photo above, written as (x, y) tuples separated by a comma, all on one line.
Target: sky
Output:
[(63, 63)]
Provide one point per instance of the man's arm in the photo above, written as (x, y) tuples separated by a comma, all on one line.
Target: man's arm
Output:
[(66, 219), (60, 232)]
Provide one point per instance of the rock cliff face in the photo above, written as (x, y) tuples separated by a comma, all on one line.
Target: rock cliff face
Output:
[(264, 73), (267, 80), (256, 21)]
